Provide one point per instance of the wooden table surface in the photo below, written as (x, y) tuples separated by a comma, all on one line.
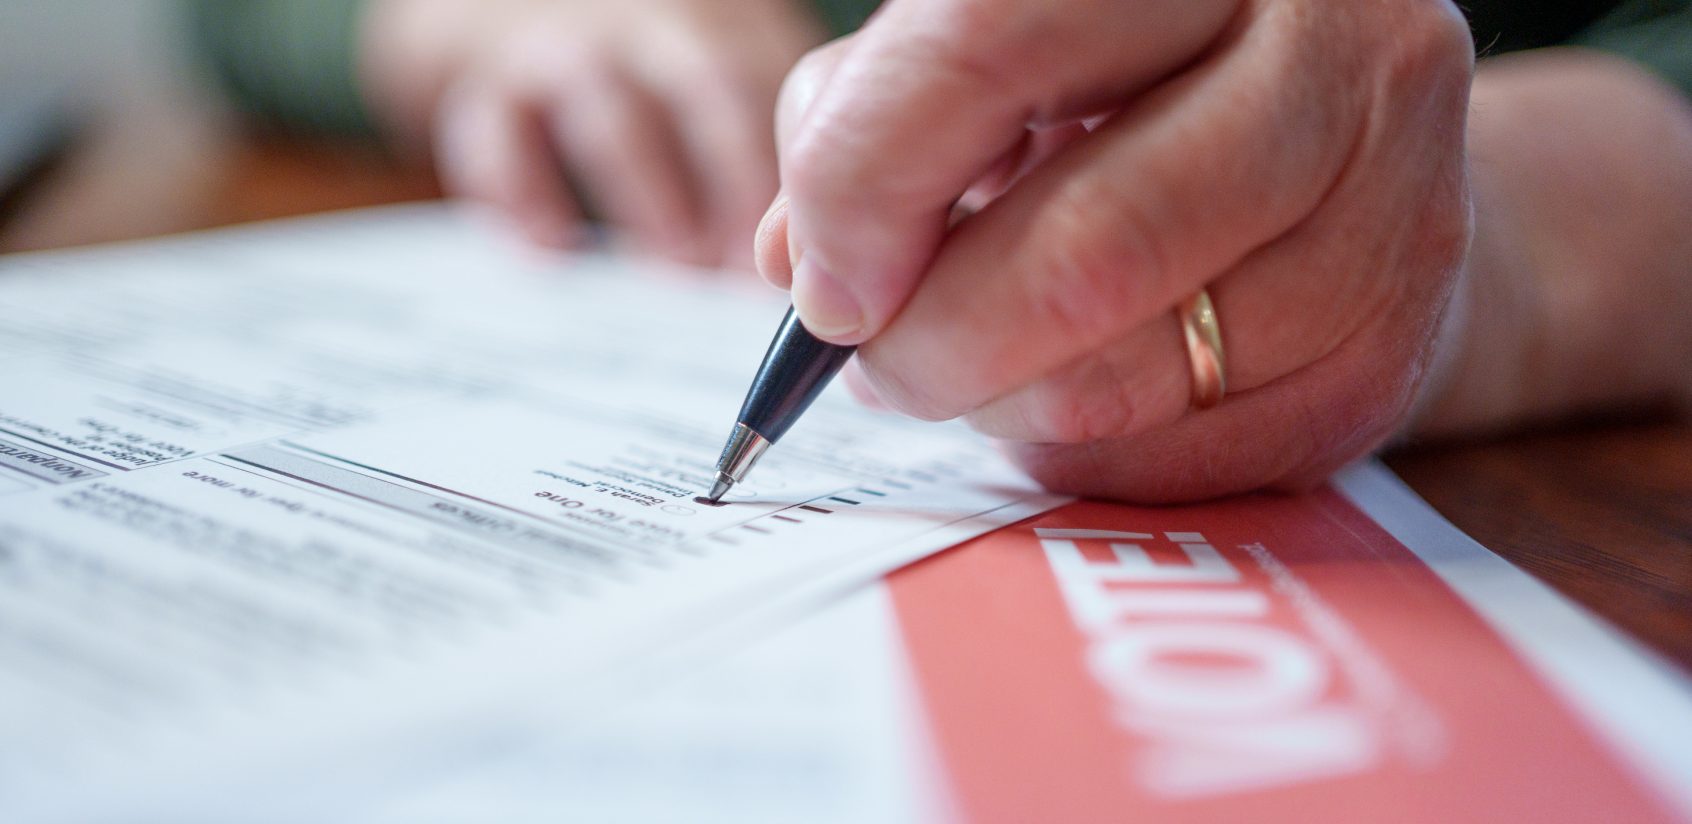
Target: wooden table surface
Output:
[(1601, 512)]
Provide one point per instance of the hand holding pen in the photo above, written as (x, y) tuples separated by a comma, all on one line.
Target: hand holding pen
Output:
[(1155, 184)]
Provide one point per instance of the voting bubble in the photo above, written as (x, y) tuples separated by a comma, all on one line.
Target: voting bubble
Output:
[(677, 510)]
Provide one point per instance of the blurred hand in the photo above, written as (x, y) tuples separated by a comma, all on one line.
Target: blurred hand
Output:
[(660, 110), (1301, 159)]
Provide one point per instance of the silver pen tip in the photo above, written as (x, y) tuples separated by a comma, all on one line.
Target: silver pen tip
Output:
[(718, 490), (743, 449)]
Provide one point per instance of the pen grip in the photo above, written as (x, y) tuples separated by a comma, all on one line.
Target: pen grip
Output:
[(795, 371)]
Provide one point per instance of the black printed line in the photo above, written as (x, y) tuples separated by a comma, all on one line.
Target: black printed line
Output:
[(843, 500), (816, 509), (80, 456)]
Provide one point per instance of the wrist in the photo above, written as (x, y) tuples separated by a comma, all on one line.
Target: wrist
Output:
[(1581, 174)]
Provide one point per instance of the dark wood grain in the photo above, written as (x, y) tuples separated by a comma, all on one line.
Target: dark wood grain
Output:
[(1601, 513), (274, 177)]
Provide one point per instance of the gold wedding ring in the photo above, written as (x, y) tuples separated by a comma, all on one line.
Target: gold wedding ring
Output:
[(1204, 348)]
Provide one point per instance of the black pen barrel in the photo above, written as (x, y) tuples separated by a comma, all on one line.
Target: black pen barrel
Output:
[(795, 371)]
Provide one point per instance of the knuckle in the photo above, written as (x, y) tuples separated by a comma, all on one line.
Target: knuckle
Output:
[(814, 66), (541, 54), (1452, 31), (807, 76), (1431, 48), (979, 46), (820, 173), (971, 41)]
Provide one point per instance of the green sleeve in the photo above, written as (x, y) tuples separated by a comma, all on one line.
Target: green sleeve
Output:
[(844, 16), (292, 63), (1655, 33), (287, 62)]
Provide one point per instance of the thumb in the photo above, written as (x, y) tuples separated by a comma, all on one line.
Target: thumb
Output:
[(770, 249)]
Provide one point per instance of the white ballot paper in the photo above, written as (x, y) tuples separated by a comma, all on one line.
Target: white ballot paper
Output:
[(293, 515), (1367, 662)]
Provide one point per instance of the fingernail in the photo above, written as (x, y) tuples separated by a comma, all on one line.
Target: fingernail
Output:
[(824, 304)]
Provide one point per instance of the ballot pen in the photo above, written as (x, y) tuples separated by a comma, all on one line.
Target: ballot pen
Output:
[(795, 371)]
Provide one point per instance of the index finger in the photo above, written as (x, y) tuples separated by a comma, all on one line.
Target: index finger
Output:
[(929, 95)]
